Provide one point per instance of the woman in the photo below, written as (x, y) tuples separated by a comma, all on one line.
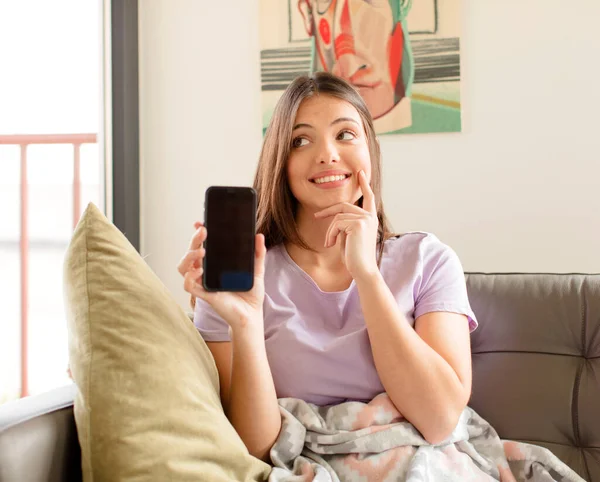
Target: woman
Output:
[(340, 309)]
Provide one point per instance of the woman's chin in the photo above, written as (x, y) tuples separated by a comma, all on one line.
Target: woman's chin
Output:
[(328, 201)]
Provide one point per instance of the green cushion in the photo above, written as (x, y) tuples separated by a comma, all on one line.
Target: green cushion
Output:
[(148, 404)]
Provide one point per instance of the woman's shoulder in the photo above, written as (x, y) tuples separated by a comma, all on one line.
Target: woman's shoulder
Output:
[(418, 243), (274, 255), (278, 263), (418, 251)]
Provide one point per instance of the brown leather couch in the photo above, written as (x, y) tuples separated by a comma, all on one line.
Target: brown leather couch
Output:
[(536, 366)]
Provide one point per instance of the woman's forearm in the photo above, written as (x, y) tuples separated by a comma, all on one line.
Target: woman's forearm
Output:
[(252, 408), (420, 383)]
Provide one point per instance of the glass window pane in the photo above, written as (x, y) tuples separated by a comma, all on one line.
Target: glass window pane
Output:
[(10, 274), (50, 179), (52, 98)]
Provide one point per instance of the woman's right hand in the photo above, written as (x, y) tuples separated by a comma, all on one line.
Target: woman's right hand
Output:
[(239, 309)]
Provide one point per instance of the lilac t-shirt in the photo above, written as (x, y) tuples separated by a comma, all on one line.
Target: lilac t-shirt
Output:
[(317, 342)]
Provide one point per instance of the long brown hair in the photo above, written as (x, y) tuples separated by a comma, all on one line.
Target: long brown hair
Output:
[(276, 214)]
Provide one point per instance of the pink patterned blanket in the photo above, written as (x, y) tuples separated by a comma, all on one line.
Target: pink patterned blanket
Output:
[(366, 442)]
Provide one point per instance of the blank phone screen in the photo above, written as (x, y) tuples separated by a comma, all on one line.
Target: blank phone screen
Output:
[(230, 219)]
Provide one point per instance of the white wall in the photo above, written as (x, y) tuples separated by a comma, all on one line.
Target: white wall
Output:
[(517, 190)]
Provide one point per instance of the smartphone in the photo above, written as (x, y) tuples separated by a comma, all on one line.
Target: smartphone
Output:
[(230, 220)]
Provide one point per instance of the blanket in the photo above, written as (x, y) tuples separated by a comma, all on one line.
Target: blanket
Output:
[(363, 442)]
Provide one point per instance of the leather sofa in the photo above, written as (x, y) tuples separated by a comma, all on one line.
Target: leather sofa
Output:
[(536, 378)]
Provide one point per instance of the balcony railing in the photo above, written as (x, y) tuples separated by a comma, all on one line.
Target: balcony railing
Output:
[(24, 141)]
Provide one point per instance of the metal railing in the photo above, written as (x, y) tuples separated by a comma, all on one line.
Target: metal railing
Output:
[(24, 141)]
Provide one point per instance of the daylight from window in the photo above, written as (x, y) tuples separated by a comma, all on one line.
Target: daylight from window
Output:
[(50, 116)]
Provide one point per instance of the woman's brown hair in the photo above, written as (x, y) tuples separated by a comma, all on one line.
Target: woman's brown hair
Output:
[(277, 206)]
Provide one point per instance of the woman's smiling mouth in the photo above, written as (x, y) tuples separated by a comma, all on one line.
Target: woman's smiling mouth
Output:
[(330, 179)]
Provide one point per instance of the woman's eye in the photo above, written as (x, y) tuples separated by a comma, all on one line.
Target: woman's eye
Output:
[(299, 142), (346, 136)]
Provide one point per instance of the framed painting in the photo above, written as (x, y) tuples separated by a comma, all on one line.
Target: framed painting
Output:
[(403, 57)]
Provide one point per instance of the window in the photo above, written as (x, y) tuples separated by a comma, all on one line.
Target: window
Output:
[(51, 165)]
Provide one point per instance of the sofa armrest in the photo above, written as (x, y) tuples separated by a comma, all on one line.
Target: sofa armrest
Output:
[(38, 438)]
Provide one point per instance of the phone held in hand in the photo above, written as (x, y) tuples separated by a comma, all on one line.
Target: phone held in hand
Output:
[(230, 220)]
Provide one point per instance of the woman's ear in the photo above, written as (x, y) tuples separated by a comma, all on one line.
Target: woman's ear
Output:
[(306, 11)]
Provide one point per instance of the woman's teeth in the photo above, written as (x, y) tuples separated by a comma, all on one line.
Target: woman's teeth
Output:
[(321, 180)]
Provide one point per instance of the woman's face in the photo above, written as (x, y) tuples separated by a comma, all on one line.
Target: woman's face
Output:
[(329, 148)]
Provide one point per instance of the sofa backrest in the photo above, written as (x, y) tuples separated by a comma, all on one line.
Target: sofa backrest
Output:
[(38, 438), (536, 362)]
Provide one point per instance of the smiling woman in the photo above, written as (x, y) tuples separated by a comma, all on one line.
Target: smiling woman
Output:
[(341, 309)]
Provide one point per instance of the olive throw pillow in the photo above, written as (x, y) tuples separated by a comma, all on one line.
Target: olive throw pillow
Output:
[(147, 406)]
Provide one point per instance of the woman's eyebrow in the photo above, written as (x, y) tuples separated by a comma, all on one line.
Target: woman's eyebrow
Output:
[(337, 121), (297, 126), (345, 119)]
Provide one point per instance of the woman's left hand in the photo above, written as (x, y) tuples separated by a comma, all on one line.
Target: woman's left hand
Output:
[(355, 229)]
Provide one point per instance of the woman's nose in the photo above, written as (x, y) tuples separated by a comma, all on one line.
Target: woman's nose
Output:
[(327, 153)]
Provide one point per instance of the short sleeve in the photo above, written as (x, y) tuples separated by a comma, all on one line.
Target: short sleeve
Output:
[(210, 325), (442, 282)]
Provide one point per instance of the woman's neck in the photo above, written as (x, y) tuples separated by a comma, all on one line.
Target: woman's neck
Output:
[(313, 231)]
